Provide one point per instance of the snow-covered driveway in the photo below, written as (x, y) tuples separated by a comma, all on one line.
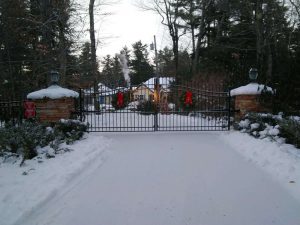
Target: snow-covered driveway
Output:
[(171, 179)]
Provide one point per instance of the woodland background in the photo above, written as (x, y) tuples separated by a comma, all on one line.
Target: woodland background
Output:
[(228, 38)]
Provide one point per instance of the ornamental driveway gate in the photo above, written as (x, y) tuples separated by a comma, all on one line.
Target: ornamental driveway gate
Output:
[(155, 105)]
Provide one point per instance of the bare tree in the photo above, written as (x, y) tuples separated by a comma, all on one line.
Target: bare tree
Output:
[(93, 52), (169, 12), (296, 6), (204, 7)]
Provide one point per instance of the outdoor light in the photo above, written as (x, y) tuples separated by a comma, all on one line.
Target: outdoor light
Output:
[(253, 73), (54, 77)]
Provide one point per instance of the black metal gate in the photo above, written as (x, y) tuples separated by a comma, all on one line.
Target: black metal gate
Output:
[(159, 104)]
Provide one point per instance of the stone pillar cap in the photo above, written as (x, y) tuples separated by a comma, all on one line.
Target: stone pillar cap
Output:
[(251, 89), (53, 92)]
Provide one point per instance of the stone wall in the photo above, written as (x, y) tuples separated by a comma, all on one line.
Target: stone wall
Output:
[(247, 103), (52, 110)]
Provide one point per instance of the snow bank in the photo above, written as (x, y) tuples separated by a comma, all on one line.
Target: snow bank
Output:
[(53, 92), (250, 89), (25, 189), (282, 161)]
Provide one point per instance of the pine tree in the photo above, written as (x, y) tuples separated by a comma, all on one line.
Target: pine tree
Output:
[(107, 76), (85, 64), (140, 66), (118, 77)]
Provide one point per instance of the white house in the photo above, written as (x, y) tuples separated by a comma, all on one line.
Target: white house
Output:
[(145, 91)]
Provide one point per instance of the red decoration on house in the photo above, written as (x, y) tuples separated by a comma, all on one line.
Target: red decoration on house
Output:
[(120, 99), (29, 109), (188, 98)]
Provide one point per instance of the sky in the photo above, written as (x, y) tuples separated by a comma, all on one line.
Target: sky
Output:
[(126, 25)]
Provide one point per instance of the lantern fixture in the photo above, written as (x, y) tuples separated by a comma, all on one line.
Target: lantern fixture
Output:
[(253, 74), (54, 77)]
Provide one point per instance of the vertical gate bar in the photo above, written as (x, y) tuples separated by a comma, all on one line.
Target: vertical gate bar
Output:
[(156, 103), (229, 109), (80, 104)]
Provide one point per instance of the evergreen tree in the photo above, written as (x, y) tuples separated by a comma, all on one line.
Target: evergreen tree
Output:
[(166, 63), (118, 76), (107, 72), (35, 37), (85, 64), (141, 70)]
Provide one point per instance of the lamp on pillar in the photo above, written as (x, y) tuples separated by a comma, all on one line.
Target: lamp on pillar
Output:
[(253, 74), (54, 77)]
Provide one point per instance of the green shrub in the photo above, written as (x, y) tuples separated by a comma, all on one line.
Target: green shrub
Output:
[(69, 130), (147, 107), (24, 139), (289, 128)]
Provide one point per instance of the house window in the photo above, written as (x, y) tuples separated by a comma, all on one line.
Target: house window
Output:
[(139, 97)]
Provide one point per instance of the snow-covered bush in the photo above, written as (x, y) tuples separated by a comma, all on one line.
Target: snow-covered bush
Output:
[(275, 127), (69, 130), (290, 129), (24, 139)]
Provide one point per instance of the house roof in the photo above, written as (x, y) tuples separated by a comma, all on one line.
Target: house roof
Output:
[(106, 91), (103, 88), (165, 82)]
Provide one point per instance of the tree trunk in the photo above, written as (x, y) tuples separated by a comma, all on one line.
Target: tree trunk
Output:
[(62, 55), (269, 66), (198, 46), (259, 36), (93, 53)]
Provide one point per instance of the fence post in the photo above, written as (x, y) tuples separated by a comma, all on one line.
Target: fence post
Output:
[(80, 104), (156, 101)]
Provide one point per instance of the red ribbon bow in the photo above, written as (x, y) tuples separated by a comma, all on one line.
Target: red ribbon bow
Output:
[(188, 98), (120, 99), (29, 111)]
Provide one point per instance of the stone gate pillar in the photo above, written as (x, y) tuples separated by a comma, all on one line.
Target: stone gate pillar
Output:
[(247, 99), (53, 103)]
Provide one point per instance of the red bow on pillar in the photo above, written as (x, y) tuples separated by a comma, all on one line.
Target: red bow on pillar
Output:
[(120, 99), (29, 109), (188, 98)]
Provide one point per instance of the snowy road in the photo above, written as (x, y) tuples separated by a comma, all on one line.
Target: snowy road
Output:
[(171, 179)]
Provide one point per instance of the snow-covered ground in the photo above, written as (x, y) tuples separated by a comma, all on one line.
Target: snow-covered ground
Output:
[(191, 178), (25, 189), (281, 161)]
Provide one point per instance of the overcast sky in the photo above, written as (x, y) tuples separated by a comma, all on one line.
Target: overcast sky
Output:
[(127, 24)]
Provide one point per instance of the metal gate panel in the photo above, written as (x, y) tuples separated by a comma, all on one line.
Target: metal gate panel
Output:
[(155, 105)]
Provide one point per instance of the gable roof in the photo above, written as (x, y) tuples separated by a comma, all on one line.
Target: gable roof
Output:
[(143, 85), (165, 82), (103, 88)]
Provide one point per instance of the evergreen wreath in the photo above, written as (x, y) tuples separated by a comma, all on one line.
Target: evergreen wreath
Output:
[(116, 100), (187, 100)]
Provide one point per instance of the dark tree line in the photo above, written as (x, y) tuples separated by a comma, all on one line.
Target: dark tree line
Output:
[(138, 62), (36, 36), (228, 37)]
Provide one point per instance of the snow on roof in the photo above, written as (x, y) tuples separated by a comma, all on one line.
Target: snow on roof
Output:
[(250, 89), (108, 92), (165, 82), (53, 92), (103, 88)]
